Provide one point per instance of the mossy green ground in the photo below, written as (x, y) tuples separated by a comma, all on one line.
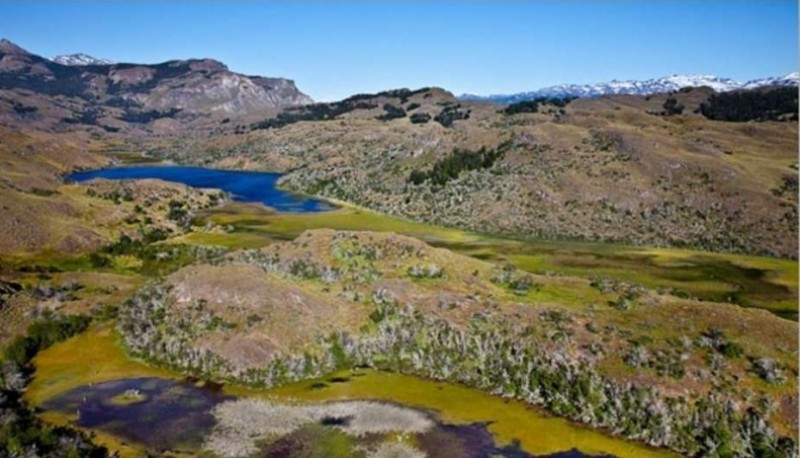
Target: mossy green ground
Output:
[(96, 356), (508, 420), (750, 281)]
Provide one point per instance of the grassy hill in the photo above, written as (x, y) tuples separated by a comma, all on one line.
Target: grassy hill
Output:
[(642, 363), (618, 169), (43, 214)]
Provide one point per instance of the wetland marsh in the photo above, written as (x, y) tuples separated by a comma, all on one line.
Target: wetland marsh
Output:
[(81, 380)]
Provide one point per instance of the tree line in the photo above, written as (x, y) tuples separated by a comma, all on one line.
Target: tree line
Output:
[(769, 104)]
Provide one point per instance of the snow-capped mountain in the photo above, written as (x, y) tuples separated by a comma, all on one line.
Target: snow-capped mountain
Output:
[(787, 80), (651, 86), (80, 59)]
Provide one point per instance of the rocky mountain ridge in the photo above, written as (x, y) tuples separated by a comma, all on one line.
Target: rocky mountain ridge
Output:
[(125, 97)]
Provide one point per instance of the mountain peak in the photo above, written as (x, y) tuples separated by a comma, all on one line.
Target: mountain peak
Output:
[(9, 47), (80, 59)]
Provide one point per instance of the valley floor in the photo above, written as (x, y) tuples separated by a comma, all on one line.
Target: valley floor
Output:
[(655, 299)]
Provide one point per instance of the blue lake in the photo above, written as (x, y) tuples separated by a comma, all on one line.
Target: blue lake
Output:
[(243, 186)]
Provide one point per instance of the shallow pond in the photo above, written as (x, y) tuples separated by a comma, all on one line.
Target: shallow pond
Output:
[(180, 416), (243, 186), (160, 413)]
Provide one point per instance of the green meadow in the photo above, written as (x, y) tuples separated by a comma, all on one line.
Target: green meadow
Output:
[(748, 281)]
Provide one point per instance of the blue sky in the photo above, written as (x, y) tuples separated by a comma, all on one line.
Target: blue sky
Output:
[(334, 49)]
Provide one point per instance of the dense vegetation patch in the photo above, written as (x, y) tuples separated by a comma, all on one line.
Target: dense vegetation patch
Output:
[(532, 106), (391, 112), (22, 109), (43, 333), (420, 118), (672, 106), (402, 94), (771, 104), (328, 111), (450, 114), (144, 117), (21, 432), (450, 167), (314, 112)]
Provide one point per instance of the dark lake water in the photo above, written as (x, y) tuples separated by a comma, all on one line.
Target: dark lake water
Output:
[(169, 415), (176, 415), (243, 186)]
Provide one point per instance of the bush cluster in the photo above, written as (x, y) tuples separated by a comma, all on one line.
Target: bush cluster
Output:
[(391, 112), (450, 114), (420, 118), (532, 106), (490, 354), (769, 104), (450, 167)]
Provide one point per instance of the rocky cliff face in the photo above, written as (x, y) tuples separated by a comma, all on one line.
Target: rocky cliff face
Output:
[(114, 96)]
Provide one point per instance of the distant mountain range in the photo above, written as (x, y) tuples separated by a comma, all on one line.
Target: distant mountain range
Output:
[(80, 59), (79, 89), (636, 87)]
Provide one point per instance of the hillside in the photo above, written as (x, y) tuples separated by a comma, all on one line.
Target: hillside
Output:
[(44, 216), (643, 170), (126, 98), (583, 349)]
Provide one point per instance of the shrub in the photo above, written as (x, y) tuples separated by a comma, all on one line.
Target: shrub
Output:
[(391, 112), (527, 106), (99, 261), (429, 271), (768, 370), (420, 118), (450, 114), (672, 107)]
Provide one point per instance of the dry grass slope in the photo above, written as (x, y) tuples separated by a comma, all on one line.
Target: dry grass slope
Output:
[(600, 169)]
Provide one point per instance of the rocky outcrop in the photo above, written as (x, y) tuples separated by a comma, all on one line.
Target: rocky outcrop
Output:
[(113, 96)]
